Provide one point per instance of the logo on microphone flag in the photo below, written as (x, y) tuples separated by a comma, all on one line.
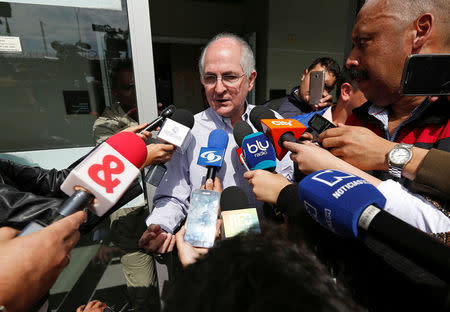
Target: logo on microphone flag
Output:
[(258, 152), (240, 221), (105, 173), (211, 156)]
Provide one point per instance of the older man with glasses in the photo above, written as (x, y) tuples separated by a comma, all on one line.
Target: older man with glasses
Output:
[(227, 70)]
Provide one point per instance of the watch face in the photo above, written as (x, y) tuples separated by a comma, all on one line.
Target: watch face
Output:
[(400, 156)]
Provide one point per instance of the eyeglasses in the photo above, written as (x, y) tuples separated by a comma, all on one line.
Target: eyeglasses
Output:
[(228, 80)]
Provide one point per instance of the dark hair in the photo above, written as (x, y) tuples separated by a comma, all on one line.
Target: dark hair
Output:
[(121, 65), (330, 65), (254, 273), (349, 76)]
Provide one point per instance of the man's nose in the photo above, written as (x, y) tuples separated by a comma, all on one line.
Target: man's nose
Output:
[(219, 87), (352, 61)]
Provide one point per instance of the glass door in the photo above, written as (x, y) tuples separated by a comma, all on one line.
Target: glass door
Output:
[(72, 73)]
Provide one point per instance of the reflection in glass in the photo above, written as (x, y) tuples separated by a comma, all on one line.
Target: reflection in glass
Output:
[(53, 90)]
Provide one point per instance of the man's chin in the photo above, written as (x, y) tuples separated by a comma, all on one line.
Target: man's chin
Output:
[(223, 110)]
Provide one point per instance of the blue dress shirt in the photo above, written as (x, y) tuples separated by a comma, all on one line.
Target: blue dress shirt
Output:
[(171, 199)]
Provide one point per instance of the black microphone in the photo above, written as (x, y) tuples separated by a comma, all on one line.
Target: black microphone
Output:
[(352, 207), (176, 131), (74, 203), (240, 130), (237, 217), (166, 113), (258, 113)]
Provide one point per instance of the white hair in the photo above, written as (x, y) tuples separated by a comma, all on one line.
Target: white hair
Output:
[(247, 57)]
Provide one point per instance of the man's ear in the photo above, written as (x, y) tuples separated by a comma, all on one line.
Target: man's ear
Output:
[(423, 27), (251, 80), (305, 72), (346, 90)]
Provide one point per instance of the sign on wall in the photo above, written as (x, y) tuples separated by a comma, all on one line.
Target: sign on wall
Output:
[(91, 4)]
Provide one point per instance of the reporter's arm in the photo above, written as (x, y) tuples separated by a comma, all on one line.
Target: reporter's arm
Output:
[(186, 252), (18, 208), (430, 171), (266, 185), (31, 263), (34, 179)]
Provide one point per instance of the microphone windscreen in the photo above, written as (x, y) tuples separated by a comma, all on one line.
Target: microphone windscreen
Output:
[(337, 199), (259, 153), (183, 117), (240, 130), (233, 198), (218, 138), (259, 113), (168, 111), (130, 146)]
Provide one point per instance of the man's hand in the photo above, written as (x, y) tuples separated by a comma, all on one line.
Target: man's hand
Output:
[(311, 158), (186, 252), (212, 186), (156, 240), (325, 101), (92, 306), (145, 135), (159, 153), (266, 185), (358, 146), (30, 264)]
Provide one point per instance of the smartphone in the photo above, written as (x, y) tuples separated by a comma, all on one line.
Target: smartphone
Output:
[(316, 84), (202, 218), (319, 123), (426, 74)]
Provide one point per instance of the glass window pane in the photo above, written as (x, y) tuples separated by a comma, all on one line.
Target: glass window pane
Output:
[(55, 67)]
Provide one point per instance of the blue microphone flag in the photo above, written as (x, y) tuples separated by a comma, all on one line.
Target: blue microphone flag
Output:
[(212, 156), (258, 152), (336, 199)]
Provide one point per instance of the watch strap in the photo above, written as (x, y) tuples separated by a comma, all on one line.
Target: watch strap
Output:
[(395, 170)]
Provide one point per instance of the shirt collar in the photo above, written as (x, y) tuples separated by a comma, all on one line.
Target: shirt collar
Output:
[(226, 122)]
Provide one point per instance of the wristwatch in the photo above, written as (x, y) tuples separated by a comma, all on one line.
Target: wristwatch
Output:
[(398, 157)]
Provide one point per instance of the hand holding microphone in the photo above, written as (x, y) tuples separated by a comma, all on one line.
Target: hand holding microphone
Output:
[(266, 185), (104, 175), (176, 132), (31, 264), (352, 207), (277, 130)]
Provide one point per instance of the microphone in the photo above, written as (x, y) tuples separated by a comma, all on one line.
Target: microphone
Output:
[(240, 130), (176, 131), (258, 113), (236, 217), (105, 175), (167, 112), (277, 130), (212, 156), (258, 152), (352, 207)]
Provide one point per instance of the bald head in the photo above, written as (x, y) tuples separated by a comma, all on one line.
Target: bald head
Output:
[(408, 11), (247, 59)]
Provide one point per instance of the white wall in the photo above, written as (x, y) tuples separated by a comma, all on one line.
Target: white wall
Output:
[(299, 32)]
